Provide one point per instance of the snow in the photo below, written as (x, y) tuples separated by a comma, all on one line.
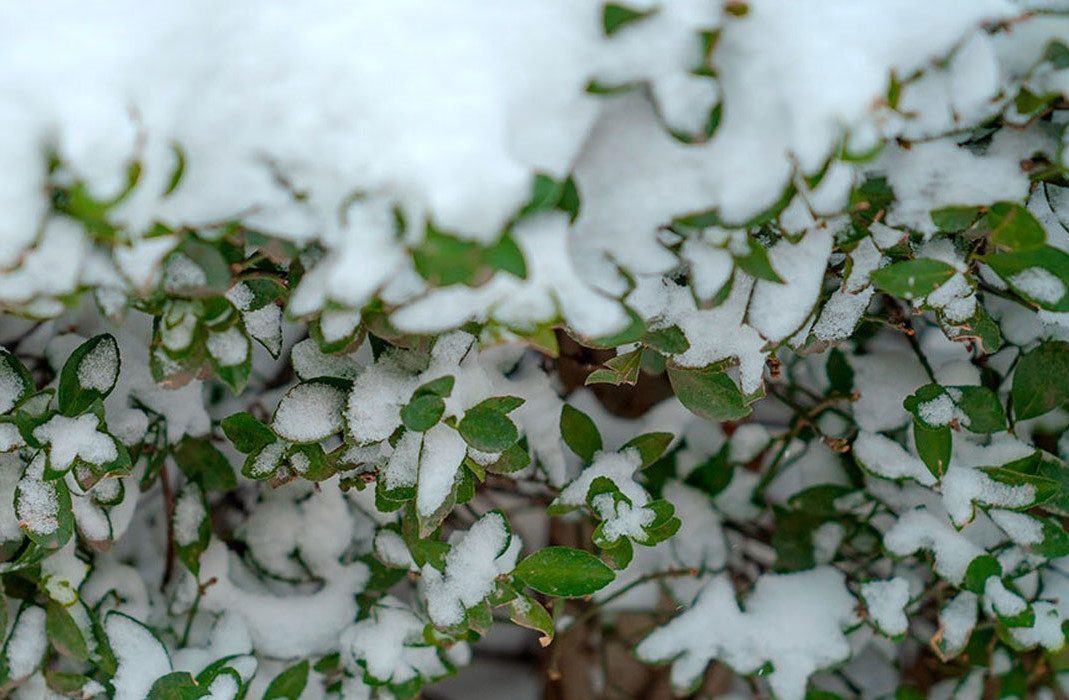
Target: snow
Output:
[(618, 467), (920, 529), (714, 334), (11, 387), (884, 380), (1022, 529), (268, 459), (390, 645), (440, 458), (474, 560), (140, 655), (1046, 631), (374, 404), (27, 643), (350, 131), (75, 438), (962, 486), (309, 412), (885, 457), (36, 502), (700, 541), (183, 274), (1039, 284), (957, 620), (1001, 600), (621, 519), (886, 602), (553, 289), (229, 347), (938, 411), (794, 621), (336, 325), (402, 469), (778, 310), (391, 549), (63, 573), (747, 442), (265, 324), (189, 513), (284, 626), (938, 173), (99, 368)]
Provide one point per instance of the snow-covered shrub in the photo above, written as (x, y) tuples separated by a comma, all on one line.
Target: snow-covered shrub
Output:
[(725, 334)]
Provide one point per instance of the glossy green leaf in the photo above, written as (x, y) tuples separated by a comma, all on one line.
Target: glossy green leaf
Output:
[(289, 684), (247, 433), (579, 433), (564, 572), (709, 393), (910, 279), (1041, 380)]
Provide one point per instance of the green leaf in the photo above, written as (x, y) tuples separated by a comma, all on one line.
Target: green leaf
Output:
[(247, 434), (949, 219), (670, 340), (64, 683), (63, 632), (1041, 380), (487, 429), (1027, 472), (442, 386), (1040, 275), (579, 433), (423, 412), (501, 404), (616, 554), (290, 683), (622, 369), (545, 193), (564, 572), (757, 264), (714, 474), (88, 374), (310, 462), (1057, 54), (506, 255), (910, 279), (709, 393), (840, 373), (1055, 542), (650, 446), (980, 569), (981, 406), (528, 612), (202, 462), (984, 329), (512, 460), (442, 259), (933, 447), (1013, 227), (664, 523), (615, 17), (179, 685)]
